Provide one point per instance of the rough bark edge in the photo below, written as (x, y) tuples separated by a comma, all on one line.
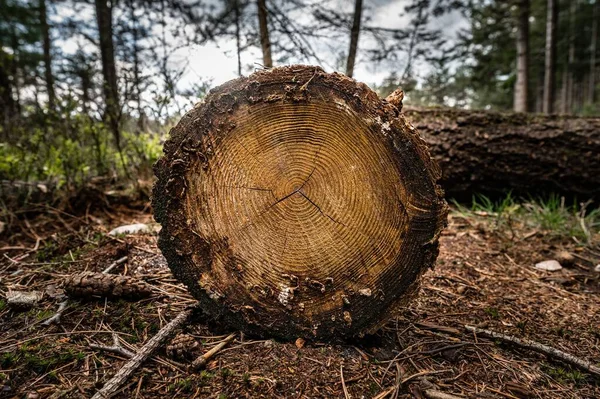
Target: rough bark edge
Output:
[(179, 150)]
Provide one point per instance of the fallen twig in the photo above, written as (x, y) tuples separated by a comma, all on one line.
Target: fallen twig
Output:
[(112, 386), (202, 360), (115, 264), (540, 348), (433, 394), (346, 395), (56, 318), (115, 348)]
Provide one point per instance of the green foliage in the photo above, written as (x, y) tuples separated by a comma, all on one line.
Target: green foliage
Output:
[(493, 312), (69, 150), (564, 375)]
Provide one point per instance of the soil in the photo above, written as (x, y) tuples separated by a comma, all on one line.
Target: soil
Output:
[(484, 276)]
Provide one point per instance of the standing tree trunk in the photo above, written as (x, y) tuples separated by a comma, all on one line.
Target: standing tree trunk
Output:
[(593, 49), (238, 39), (263, 28), (550, 57), (567, 86), (109, 70), (522, 83), (137, 75), (47, 55), (267, 209), (7, 103), (354, 34)]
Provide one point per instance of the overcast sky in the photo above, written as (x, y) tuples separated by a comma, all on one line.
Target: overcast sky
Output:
[(218, 61)]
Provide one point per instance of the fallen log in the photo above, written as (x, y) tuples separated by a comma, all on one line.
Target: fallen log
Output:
[(297, 203), (492, 153)]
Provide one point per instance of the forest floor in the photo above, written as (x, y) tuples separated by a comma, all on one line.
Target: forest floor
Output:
[(484, 276)]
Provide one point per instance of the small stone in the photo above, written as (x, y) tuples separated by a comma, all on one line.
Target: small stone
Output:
[(131, 229), (347, 317), (300, 342), (365, 292), (461, 290), (548, 265), (23, 300), (597, 269), (565, 258)]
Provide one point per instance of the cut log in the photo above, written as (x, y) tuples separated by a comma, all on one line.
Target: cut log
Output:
[(296, 203), (491, 152)]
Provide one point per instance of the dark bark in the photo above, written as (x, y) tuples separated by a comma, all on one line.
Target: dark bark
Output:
[(354, 34), (550, 57), (522, 83), (109, 70), (47, 55), (488, 152), (263, 26)]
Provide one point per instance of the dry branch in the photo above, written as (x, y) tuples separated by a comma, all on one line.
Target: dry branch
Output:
[(111, 387), (115, 348), (201, 361), (56, 318), (540, 348), (433, 394), (115, 264)]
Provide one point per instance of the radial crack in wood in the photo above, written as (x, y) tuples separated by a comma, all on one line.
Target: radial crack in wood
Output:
[(297, 203)]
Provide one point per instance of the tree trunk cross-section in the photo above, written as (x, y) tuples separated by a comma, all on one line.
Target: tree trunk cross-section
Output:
[(296, 203)]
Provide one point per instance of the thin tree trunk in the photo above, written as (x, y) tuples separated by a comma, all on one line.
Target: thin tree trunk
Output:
[(354, 33), (539, 92), (550, 67), (14, 72), (137, 79), (593, 48), (522, 84), (265, 42), (417, 22), (111, 91), (238, 41), (571, 61), (7, 103), (47, 56)]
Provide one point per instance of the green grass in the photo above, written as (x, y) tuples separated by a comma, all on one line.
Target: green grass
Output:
[(550, 214), (565, 375)]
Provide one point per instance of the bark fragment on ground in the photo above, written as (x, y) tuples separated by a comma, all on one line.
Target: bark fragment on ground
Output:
[(88, 285)]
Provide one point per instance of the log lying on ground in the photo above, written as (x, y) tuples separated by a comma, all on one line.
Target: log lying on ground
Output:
[(297, 203), (490, 152)]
